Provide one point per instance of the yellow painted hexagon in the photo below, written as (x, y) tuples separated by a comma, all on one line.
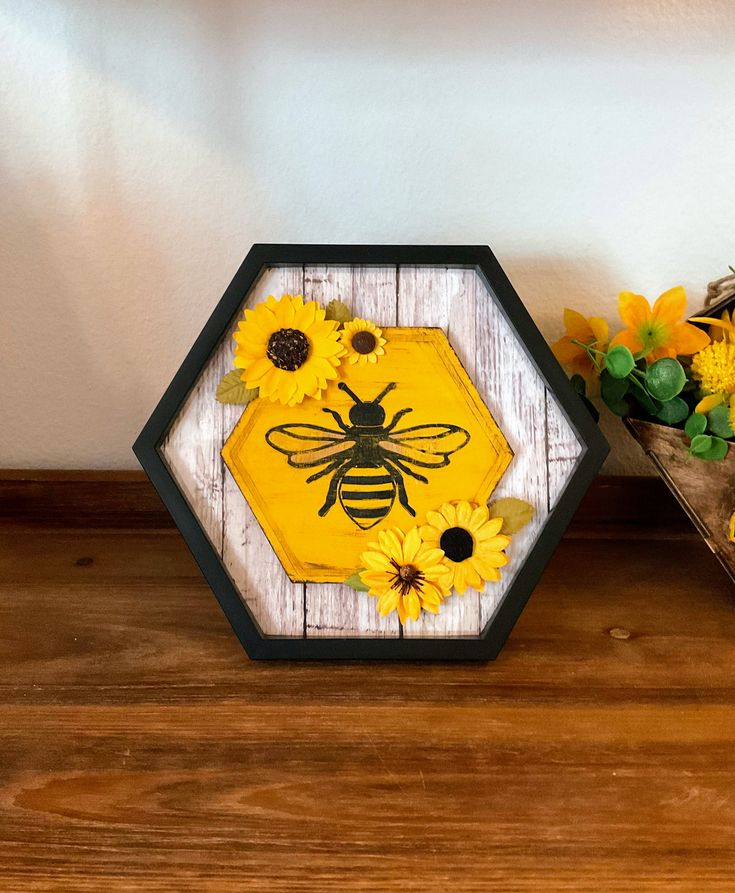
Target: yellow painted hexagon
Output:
[(400, 436)]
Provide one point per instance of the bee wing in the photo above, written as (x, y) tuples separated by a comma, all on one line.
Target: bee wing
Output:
[(308, 445), (428, 446)]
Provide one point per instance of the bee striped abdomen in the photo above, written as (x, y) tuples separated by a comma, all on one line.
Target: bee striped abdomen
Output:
[(367, 495)]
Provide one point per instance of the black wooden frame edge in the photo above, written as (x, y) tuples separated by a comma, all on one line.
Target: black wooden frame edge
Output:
[(489, 643)]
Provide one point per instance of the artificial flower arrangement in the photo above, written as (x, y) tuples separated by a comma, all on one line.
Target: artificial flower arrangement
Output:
[(659, 367), (288, 351)]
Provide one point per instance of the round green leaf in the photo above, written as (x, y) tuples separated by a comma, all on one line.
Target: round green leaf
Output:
[(619, 361), (702, 443), (696, 424), (719, 422), (612, 389), (665, 379), (716, 452), (673, 411), (579, 384)]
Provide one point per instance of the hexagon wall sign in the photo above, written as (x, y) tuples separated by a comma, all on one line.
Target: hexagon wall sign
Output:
[(462, 406)]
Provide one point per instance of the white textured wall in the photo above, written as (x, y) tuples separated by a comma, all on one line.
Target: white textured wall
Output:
[(145, 145)]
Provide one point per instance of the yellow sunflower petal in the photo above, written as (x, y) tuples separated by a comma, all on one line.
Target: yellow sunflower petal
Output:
[(464, 513), (489, 529), (450, 514), (479, 517), (411, 545)]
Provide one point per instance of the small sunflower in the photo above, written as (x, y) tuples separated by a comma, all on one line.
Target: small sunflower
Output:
[(404, 574), (287, 349), (363, 341), (471, 542)]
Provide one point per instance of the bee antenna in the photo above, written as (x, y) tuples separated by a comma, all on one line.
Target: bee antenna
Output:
[(386, 389), (343, 387)]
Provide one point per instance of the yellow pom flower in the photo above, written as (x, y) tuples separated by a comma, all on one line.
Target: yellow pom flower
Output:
[(363, 341), (404, 574), (714, 369), (471, 542), (287, 349)]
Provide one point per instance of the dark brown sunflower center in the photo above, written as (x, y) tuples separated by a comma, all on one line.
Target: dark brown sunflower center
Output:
[(406, 578), (363, 342), (457, 543), (288, 349)]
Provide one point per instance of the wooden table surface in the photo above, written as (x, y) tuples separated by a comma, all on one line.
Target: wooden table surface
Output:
[(141, 750)]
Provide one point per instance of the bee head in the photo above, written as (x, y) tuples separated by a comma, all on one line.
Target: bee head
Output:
[(367, 413)]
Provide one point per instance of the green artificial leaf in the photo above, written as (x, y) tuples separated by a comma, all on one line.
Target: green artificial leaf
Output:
[(579, 384), (696, 424), (338, 311), (665, 379), (619, 361), (516, 513), (355, 582), (673, 411), (232, 389), (702, 443), (613, 391), (716, 452), (719, 421), (643, 397)]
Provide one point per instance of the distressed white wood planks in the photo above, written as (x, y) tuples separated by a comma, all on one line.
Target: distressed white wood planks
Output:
[(513, 390), (431, 296), (456, 300), (192, 450), (564, 449), (332, 608)]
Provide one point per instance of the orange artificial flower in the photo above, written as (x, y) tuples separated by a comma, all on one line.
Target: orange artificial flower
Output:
[(661, 331), (592, 332)]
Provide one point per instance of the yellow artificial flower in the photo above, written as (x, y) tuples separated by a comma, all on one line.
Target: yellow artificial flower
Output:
[(721, 329), (661, 331), (714, 369), (593, 332), (471, 543), (404, 574), (363, 341), (732, 528), (287, 349)]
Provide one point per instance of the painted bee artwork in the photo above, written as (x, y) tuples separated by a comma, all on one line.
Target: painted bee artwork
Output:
[(367, 459)]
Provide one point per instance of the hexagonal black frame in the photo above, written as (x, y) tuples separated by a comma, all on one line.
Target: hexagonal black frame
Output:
[(488, 644)]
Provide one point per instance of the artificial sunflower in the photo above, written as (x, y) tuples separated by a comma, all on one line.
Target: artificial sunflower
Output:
[(571, 350), (363, 341), (404, 574), (659, 331), (471, 542), (287, 349), (731, 529)]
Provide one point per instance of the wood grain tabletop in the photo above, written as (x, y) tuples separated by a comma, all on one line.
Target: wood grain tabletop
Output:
[(141, 750)]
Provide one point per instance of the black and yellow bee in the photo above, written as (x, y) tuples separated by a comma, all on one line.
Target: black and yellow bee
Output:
[(367, 458)]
